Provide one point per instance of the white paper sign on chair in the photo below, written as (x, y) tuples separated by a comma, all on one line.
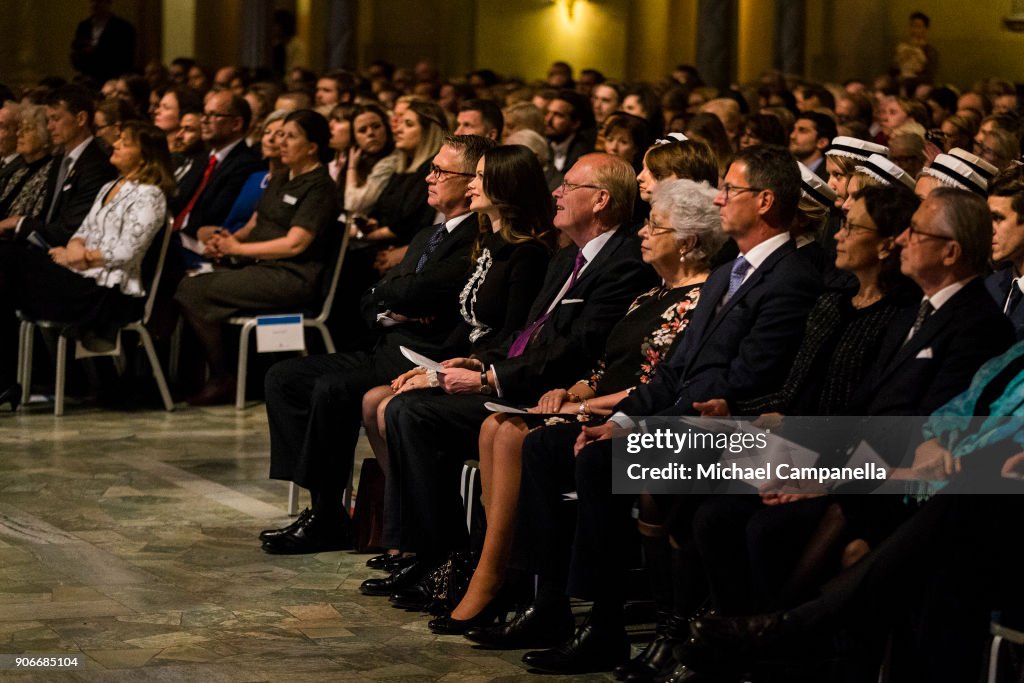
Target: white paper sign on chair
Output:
[(280, 333)]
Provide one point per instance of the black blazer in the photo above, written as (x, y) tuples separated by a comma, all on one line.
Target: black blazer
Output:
[(998, 285), (939, 361), (571, 341), (431, 293), (742, 351), (91, 172), (113, 55), (220, 192)]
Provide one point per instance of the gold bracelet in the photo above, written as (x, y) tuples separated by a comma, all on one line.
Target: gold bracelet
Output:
[(584, 409)]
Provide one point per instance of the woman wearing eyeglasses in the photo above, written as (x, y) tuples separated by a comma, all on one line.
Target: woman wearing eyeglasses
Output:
[(679, 239)]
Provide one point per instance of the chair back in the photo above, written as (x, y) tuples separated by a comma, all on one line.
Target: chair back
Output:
[(159, 248), (331, 277)]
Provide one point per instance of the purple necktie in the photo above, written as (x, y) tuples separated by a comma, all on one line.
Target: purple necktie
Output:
[(524, 338)]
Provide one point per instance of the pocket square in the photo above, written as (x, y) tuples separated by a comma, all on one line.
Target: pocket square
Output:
[(924, 353), (572, 301)]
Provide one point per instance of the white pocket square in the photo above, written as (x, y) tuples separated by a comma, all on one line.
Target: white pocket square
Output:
[(924, 353), (572, 301)]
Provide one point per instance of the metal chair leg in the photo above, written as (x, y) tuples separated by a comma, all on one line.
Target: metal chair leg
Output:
[(62, 362), (293, 499), (25, 343), (154, 364), (243, 363)]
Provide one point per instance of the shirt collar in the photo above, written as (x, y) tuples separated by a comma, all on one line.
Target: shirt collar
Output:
[(451, 223), (757, 254), (224, 151), (946, 293), (77, 151), (592, 248)]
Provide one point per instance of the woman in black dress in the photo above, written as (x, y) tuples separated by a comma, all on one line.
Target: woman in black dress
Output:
[(510, 257), (276, 259), (679, 239)]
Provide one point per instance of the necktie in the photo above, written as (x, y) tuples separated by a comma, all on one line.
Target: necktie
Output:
[(65, 168), (179, 220), (435, 241), (739, 269), (923, 312), (1013, 297), (524, 338)]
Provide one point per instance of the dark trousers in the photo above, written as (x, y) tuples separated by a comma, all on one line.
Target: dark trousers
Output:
[(314, 412), (430, 436)]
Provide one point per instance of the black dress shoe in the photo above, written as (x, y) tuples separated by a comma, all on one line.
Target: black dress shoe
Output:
[(400, 578), (316, 534), (390, 563), (268, 534), (658, 659), (11, 396), (588, 651), (729, 645), (530, 628)]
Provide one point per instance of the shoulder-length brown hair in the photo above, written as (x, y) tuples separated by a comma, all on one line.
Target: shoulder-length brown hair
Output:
[(156, 159)]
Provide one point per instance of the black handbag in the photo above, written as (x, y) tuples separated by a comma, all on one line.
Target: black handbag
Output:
[(453, 581)]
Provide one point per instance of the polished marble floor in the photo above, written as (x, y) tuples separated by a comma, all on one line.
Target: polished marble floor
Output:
[(129, 538)]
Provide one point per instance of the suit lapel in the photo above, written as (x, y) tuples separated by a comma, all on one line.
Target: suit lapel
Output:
[(613, 244), (558, 272)]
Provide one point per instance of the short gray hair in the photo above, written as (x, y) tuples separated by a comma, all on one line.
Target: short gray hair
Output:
[(692, 213), (276, 115), (966, 217), (35, 115)]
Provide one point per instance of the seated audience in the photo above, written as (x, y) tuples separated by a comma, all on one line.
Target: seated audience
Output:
[(252, 191), (479, 117), (570, 128), (811, 136), (339, 118), (605, 99), (109, 116), (522, 116), (949, 171), (760, 129), (707, 128), (95, 282), (275, 260), (627, 137), (372, 160), (1006, 202)]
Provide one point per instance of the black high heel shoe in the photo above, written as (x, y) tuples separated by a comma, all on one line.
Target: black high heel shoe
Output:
[(11, 396), (446, 625)]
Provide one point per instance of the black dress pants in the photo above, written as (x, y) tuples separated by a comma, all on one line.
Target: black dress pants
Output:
[(314, 409), (430, 436)]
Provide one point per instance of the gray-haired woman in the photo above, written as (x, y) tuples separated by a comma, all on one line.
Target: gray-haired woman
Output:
[(679, 239), (24, 193)]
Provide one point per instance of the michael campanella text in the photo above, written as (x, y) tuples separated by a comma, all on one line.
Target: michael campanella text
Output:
[(731, 471)]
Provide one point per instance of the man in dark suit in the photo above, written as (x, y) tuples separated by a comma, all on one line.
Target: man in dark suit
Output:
[(588, 286), (208, 191), (104, 44), (570, 128), (811, 136), (76, 180), (10, 161), (314, 403), (740, 343), (1006, 202)]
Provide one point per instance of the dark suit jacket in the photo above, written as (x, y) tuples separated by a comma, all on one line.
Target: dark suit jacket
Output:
[(998, 285), (742, 351), (582, 143), (431, 293), (572, 340), (91, 172), (939, 361), (113, 55), (220, 192)]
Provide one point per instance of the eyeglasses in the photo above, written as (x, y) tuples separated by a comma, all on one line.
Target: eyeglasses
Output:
[(913, 230), (654, 230), (443, 174), (846, 227), (216, 115), (728, 189), (566, 187)]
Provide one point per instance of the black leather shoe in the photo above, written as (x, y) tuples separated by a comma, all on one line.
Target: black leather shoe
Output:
[(390, 563), (529, 628), (728, 645), (11, 396), (657, 660), (315, 534), (400, 578), (417, 597), (588, 651), (268, 534)]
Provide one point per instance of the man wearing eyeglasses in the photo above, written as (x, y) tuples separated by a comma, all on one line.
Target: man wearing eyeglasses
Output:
[(207, 191), (314, 403)]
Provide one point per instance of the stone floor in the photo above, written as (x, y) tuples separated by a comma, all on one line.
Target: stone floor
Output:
[(129, 538)]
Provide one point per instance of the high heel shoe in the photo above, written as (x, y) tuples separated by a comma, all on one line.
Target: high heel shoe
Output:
[(446, 625), (11, 396)]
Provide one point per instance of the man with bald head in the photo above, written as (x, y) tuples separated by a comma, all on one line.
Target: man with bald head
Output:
[(589, 285)]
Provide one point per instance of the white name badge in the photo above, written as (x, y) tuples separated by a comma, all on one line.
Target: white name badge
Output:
[(288, 199), (280, 333)]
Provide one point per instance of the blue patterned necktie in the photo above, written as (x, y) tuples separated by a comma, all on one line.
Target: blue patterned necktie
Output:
[(435, 241), (739, 269)]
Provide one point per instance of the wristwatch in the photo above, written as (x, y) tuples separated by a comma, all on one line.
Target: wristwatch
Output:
[(485, 388)]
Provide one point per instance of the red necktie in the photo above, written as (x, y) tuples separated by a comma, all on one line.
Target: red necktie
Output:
[(179, 220)]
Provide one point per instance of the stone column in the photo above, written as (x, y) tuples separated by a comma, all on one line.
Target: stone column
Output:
[(341, 34), (256, 34), (715, 45), (790, 30)]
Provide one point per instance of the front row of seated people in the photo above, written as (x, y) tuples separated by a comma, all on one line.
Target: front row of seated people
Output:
[(898, 324)]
